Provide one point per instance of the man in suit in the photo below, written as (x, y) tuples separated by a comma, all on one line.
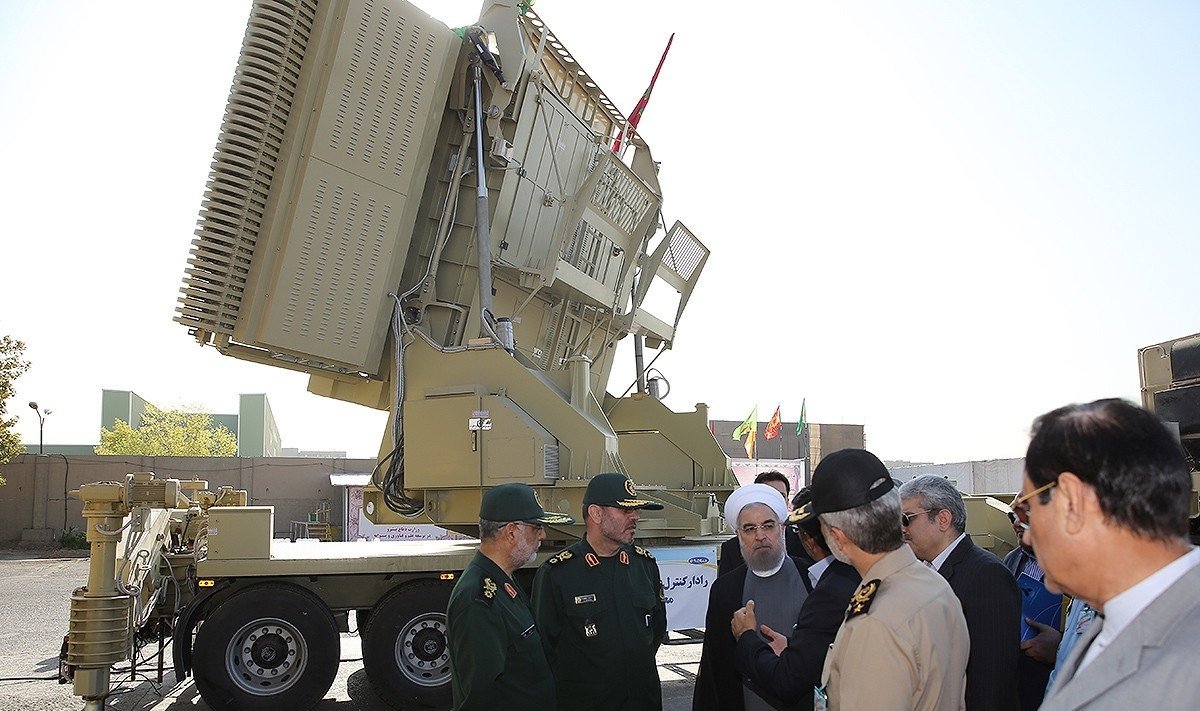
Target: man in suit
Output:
[(934, 520), (1107, 481), (1038, 653), (768, 576), (731, 552), (783, 668)]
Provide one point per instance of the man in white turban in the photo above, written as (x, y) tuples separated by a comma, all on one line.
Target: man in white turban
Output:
[(775, 582)]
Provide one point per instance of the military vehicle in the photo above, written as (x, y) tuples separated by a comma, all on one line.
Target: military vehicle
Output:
[(453, 226), (1169, 373)]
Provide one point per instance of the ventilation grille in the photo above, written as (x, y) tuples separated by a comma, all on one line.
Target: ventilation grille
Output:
[(622, 198), (685, 253), (244, 163), (550, 461), (590, 251)]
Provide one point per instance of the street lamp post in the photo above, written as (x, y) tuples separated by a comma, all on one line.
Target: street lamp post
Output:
[(41, 425)]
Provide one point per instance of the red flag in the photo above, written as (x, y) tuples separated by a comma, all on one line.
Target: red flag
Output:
[(774, 425), (636, 116)]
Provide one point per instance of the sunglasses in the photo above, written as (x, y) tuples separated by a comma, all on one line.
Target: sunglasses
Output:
[(907, 518)]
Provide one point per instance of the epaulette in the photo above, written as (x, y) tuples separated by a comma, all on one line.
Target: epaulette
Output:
[(643, 552), (860, 603), (560, 557), (488, 592)]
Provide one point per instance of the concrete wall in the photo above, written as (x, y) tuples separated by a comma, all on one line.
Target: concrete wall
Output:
[(34, 505), (992, 476)]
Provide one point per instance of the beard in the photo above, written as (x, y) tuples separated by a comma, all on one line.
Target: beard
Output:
[(618, 529), (524, 553), (837, 551), (765, 559)]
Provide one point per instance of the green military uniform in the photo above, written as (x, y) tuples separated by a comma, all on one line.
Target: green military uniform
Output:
[(497, 660), (602, 621)]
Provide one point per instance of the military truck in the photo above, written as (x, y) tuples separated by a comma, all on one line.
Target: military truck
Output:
[(455, 226), (1169, 373)]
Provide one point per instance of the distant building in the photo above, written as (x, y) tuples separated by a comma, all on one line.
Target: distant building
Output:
[(253, 425), (822, 439), (991, 476)]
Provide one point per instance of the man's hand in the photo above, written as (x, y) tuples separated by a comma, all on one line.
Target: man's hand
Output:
[(775, 641), (1043, 647), (743, 620)]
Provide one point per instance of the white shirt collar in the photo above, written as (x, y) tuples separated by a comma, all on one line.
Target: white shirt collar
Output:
[(1121, 610), (936, 563), (816, 570)]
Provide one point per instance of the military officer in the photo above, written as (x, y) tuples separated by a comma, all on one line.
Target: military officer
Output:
[(496, 655), (600, 609), (904, 644)]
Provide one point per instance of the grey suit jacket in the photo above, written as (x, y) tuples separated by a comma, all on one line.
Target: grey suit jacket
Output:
[(1151, 664)]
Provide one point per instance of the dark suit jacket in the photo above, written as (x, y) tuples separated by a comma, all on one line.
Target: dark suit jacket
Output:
[(718, 686), (731, 553), (787, 681), (992, 606), (1032, 675)]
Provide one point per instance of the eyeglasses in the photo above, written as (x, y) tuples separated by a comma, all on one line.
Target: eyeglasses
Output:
[(767, 527), (534, 526), (1022, 504), (907, 518)]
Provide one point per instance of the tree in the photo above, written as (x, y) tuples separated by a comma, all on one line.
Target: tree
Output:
[(11, 368), (169, 433)]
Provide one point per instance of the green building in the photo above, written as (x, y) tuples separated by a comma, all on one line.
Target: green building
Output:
[(254, 424)]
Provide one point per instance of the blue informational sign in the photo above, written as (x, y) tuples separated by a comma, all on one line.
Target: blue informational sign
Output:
[(687, 574)]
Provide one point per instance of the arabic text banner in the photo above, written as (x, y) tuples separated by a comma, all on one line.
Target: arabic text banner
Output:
[(687, 575)]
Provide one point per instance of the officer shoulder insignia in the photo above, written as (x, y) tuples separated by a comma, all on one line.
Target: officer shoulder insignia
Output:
[(643, 552), (562, 555), (489, 588), (860, 603)]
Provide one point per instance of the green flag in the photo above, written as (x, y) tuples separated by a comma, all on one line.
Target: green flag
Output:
[(749, 427), (800, 424)]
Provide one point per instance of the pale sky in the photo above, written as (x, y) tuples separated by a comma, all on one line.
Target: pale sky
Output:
[(935, 219)]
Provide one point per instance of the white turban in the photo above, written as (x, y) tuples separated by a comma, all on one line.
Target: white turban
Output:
[(755, 494)]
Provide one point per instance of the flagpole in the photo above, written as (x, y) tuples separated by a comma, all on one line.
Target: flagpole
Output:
[(631, 123)]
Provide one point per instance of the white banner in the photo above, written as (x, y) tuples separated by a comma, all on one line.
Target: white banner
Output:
[(687, 574), (359, 527)]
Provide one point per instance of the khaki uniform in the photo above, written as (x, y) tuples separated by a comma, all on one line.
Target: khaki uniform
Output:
[(904, 644), (602, 620), (496, 656)]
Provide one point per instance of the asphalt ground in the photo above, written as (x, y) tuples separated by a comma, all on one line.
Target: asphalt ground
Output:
[(35, 593)]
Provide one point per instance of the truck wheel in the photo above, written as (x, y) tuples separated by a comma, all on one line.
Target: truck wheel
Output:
[(268, 647), (404, 647)]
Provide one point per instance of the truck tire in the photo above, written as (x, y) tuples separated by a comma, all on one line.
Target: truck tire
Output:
[(404, 646), (267, 647)]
